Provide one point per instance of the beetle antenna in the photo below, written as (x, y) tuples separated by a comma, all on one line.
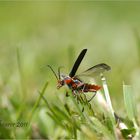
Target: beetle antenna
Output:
[(53, 71), (59, 71)]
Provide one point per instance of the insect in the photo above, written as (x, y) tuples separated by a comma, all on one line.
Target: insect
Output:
[(75, 84)]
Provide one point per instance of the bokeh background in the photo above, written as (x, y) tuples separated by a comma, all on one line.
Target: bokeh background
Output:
[(34, 34)]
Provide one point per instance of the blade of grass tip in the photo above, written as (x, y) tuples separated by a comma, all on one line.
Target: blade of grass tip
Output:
[(109, 104), (107, 97), (61, 113), (55, 119), (64, 106), (46, 102), (38, 101), (130, 105)]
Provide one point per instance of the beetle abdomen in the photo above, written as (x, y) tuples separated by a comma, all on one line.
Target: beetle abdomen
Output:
[(91, 88)]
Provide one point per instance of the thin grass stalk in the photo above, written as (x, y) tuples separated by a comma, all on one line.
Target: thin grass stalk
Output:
[(21, 75), (35, 107), (22, 84), (38, 101)]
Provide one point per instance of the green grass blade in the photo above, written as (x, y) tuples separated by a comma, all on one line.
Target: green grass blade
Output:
[(35, 107), (76, 105), (62, 115), (109, 105), (21, 75), (107, 96), (101, 128), (38, 101), (131, 106), (129, 101)]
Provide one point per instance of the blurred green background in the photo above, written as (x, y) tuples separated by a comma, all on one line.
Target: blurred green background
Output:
[(33, 34)]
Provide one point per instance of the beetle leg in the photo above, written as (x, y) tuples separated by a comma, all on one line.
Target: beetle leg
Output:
[(92, 97), (80, 85), (83, 88), (74, 93)]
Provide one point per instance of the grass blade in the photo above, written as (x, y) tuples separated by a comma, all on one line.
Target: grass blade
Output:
[(129, 102), (131, 106), (99, 127), (109, 104), (38, 101)]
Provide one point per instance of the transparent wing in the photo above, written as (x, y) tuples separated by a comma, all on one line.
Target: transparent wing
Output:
[(95, 70)]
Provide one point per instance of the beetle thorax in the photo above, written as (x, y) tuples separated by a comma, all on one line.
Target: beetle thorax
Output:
[(64, 80), (67, 80)]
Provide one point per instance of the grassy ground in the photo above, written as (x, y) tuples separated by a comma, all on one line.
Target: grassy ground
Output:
[(34, 34)]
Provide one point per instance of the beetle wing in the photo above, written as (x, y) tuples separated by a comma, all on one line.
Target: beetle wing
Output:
[(95, 70)]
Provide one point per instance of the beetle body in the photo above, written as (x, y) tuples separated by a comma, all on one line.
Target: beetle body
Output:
[(74, 83)]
